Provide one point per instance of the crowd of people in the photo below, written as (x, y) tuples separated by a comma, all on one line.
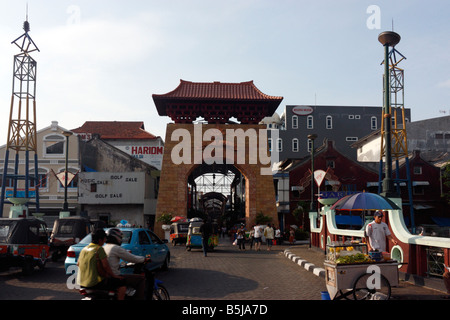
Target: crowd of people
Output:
[(254, 237)]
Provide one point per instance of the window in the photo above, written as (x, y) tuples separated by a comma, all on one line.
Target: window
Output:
[(330, 164), (329, 122), (295, 145), (351, 139), (155, 238), (294, 122), (357, 117), (417, 170), (42, 178), (269, 144), (309, 122), (309, 146), (373, 123), (418, 190), (143, 238), (9, 181), (54, 145), (279, 145), (351, 116)]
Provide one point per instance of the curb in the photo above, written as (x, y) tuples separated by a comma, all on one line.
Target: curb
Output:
[(320, 272)]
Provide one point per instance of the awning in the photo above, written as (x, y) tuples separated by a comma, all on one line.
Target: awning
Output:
[(349, 220), (375, 184), (421, 183), (441, 221), (422, 206)]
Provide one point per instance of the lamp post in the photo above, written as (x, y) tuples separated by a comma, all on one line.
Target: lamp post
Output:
[(387, 39), (67, 134), (312, 137)]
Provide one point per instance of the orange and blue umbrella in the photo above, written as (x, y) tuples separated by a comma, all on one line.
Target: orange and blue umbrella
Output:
[(364, 201)]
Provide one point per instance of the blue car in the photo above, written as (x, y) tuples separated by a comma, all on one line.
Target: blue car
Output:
[(138, 241)]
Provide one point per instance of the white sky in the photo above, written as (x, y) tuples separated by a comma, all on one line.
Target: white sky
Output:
[(103, 60)]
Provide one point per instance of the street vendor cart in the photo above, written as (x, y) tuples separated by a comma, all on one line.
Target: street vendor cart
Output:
[(353, 273)]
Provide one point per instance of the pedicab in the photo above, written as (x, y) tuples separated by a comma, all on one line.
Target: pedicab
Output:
[(194, 236), (179, 232), (23, 243), (68, 231)]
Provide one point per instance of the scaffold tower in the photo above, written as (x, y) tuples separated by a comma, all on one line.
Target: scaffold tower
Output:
[(22, 126)]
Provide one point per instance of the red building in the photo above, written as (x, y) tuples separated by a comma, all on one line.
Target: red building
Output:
[(343, 174), (426, 189)]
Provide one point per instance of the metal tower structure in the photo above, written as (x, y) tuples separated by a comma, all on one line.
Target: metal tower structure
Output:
[(22, 124), (394, 144)]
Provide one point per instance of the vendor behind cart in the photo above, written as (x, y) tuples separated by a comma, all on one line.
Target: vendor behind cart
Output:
[(376, 233)]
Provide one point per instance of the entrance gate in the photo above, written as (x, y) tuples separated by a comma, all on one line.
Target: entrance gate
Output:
[(241, 143)]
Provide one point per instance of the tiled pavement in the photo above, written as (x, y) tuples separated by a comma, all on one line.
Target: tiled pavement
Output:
[(312, 259)]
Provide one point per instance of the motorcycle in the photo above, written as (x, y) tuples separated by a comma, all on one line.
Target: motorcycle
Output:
[(155, 290)]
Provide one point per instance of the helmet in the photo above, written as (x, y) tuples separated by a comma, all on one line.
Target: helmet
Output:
[(114, 235)]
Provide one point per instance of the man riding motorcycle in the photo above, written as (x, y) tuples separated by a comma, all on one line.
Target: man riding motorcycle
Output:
[(115, 253), (94, 270)]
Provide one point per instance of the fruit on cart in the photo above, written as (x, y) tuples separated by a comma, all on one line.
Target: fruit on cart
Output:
[(353, 258)]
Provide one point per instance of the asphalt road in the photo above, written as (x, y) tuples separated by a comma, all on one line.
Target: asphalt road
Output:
[(226, 274)]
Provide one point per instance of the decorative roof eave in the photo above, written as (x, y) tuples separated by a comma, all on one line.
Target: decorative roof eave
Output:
[(187, 91)]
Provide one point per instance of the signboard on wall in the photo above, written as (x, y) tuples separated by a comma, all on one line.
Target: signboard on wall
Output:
[(151, 155), (302, 110), (111, 187)]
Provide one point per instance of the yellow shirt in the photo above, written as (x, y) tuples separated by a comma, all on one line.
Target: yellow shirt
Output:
[(87, 265)]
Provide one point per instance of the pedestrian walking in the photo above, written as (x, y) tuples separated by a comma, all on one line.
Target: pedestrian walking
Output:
[(291, 235), (257, 237), (240, 237), (278, 235), (251, 236), (269, 234), (206, 231), (224, 231)]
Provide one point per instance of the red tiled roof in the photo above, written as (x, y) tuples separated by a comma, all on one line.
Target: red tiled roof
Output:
[(217, 90), (115, 129)]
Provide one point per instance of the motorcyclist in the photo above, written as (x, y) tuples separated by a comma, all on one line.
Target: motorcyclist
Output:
[(115, 253), (94, 269)]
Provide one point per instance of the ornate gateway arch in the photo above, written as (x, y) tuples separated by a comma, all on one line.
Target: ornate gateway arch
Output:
[(241, 144)]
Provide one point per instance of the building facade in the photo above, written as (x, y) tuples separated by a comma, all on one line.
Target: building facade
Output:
[(51, 151), (116, 186), (342, 124), (127, 136)]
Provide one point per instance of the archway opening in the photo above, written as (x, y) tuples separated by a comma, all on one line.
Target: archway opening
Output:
[(217, 192)]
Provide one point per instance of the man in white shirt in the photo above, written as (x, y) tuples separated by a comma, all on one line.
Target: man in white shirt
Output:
[(258, 237), (377, 231), (115, 252)]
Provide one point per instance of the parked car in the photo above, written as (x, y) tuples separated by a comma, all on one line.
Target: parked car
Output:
[(23, 243), (138, 241)]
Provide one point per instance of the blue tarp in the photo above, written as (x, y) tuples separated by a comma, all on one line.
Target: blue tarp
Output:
[(87, 169), (349, 220), (441, 221)]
